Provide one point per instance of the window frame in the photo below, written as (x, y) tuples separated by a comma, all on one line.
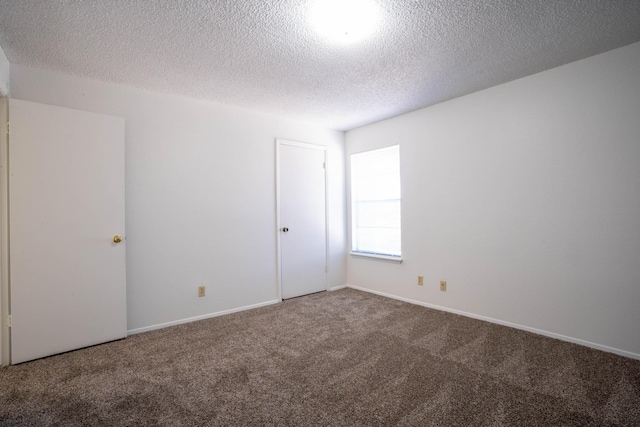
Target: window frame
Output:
[(352, 212)]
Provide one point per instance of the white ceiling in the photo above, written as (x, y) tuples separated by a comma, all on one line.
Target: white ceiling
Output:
[(262, 55)]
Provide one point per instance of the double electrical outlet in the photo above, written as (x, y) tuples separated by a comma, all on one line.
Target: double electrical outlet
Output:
[(443, 283)]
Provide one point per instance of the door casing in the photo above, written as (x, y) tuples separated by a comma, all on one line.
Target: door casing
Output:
[(4, 234)]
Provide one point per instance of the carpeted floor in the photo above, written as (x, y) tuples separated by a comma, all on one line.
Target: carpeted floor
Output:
[(335, 358)]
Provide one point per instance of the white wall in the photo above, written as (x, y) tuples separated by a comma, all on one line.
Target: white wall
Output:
[(4, 73), (200, 194), (526, 198)]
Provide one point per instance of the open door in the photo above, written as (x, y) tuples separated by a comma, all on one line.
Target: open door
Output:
[(67, 275)]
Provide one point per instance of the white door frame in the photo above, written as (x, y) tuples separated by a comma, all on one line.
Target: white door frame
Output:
[(279, 143), (4, 234)]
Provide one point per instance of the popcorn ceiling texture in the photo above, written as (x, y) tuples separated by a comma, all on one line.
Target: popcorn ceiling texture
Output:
[(262, 55)]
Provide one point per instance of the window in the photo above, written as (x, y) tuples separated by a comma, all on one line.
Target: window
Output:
[(375, 203)]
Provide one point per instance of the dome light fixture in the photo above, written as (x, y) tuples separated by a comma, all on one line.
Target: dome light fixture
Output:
[(344, 21)]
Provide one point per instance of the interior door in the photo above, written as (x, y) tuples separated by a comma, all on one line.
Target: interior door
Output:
[(302, 218), (66, 205)]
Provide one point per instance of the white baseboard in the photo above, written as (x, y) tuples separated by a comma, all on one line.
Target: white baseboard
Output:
[(204, 316), (504, 323), (210, 315)]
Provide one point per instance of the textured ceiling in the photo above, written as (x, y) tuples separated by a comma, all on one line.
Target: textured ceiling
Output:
[(262, 54)]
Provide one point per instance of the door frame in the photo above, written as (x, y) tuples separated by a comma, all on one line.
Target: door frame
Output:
[(279, 143), (5, 336)]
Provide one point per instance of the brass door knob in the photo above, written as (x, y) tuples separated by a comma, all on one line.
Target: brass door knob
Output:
[(117, 238)]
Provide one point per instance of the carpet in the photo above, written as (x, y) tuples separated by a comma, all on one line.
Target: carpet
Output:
[(343, 358)]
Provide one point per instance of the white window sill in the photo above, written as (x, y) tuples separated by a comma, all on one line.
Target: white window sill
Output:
[(387, 258)]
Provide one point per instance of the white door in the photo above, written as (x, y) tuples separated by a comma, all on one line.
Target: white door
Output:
[(302, 218), (66, 204)]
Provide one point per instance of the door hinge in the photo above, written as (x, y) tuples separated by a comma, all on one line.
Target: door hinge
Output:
[(324, 164), (8, 321), (8, 127)]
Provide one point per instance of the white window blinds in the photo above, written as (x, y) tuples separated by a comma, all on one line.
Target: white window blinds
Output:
[(375, 202)]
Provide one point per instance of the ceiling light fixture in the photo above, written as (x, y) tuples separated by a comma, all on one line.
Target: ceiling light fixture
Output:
[(344, 21)]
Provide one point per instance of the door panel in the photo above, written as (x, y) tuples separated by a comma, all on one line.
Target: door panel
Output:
[(66, 198), (302, 211)]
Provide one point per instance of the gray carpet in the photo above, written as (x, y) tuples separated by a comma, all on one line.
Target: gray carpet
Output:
[(335, 358)]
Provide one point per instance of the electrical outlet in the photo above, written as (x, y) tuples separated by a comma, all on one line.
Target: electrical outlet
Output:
[(200, 291), (443, 285), (420, 280)]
